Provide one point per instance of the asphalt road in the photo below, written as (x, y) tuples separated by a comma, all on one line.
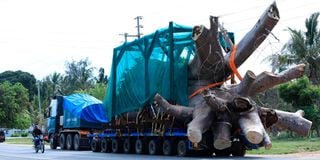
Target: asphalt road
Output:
[(26, 152)]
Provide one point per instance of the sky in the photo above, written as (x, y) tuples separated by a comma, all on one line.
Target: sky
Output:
[(40, 36)]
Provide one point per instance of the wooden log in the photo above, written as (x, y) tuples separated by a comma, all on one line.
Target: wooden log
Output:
[(251, 126), (218, 102), (268, 116), (267, 80), (209, 55), (222, 137), (180, 112), (222, 131), (242, 88), (266, 140), (293, 122), (201, 122), (251, 41)]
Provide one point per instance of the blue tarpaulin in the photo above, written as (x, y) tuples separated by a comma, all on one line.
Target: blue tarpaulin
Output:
[(85, 107)]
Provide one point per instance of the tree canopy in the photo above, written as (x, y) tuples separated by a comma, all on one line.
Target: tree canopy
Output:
[(14, 106), (26, 79), (303, 47), (303, 95)]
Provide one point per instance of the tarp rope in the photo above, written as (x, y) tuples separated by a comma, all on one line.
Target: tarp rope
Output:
[(234, 72)]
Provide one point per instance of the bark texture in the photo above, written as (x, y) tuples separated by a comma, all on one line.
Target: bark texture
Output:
[(227, 110)]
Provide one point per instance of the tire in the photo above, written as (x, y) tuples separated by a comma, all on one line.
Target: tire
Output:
[(116, 146), (182, 148), (76, 142), (69, 142), (104, 145), (53, 143), (127, 146), (95, 146), (153, 147), (42, 147), (62, 141), (223, 153), (238, 149), (140, 146), (36, 148), (167, 148)]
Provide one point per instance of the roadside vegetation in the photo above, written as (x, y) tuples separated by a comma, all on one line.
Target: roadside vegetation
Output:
[(290, 145), (19, 140)]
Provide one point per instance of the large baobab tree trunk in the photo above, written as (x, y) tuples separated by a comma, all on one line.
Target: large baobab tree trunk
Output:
[(222, 108)]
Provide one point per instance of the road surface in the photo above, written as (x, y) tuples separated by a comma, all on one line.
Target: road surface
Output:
[(26, 152)]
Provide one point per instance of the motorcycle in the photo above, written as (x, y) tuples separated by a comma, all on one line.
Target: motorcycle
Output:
[(39, 144)]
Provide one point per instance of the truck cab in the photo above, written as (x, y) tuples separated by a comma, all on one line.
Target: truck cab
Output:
[(54, 115)]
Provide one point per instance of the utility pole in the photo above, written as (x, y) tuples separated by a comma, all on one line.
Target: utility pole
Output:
[(138, 18), (39, 101), (126, 35)]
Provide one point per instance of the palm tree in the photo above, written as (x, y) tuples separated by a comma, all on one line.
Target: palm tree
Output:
[(303, 47)]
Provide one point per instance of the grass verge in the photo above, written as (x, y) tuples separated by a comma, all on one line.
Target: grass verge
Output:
[(287, 146), (19, 140)]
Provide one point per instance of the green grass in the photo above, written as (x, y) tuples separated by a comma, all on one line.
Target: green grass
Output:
[(287, 146), (20, 140)]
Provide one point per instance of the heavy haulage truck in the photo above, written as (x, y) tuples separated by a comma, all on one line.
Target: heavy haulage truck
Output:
[(168, 94), (156, 63)]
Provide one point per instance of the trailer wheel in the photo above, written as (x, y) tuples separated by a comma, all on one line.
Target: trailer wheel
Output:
[(63, 141), (104, 145), (238, 149), (182, 148), (69, 142), (116, 146), (76, 142), (140, 146), (167, 147), (95, 146), (153, 147), (223, 153), (53, 143), (127, 146)]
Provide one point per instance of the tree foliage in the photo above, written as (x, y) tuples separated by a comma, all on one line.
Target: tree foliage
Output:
[(79, 76), (14, 105), (303, 47), (303, 95), (26, 79), (98, 91)]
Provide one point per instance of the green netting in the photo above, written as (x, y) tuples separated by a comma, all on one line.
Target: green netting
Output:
[(155, 63)]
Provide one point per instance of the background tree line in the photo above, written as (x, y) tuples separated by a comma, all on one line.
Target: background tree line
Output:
[(19, 103)]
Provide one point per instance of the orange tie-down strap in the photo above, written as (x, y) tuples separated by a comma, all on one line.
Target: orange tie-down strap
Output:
[(232, 64), (233, 69)]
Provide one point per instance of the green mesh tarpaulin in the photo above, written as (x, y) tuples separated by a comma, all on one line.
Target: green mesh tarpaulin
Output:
[(156, 63)]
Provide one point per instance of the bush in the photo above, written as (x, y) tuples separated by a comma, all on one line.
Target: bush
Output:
[(24, 134), (15, 135)]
